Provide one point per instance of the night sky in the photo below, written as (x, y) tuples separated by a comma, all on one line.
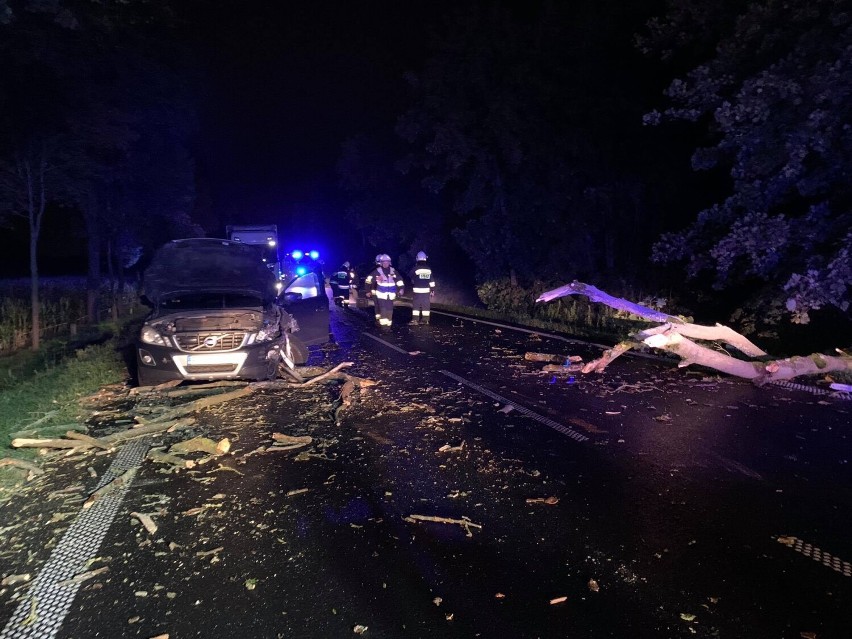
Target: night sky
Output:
[(289, 83), (280, 87)]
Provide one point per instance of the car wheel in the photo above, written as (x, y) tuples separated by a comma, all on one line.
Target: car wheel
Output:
[(299, 353), (143, 377)]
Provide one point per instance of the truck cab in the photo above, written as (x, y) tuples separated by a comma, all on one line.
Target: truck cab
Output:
[(264, 237)]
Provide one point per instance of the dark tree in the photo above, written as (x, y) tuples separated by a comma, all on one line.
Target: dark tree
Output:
[(770, 83), (119, 101), (527, 120)]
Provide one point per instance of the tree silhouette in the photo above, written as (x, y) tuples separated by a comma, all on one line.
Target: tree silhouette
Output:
[(771, 88)]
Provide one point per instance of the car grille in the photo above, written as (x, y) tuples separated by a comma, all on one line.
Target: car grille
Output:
[(209, 342), (211, 368)]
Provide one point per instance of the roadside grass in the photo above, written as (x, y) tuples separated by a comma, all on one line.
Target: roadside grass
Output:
[(40, 392), (605, 328)]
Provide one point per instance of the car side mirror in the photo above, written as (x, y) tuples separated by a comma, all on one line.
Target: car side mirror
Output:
[(288, 297)]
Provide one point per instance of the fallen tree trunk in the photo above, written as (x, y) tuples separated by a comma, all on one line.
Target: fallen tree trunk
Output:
[(759, 372), (675, 335)]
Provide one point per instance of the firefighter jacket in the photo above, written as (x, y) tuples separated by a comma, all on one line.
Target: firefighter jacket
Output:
[(342, 279), (421, 279), (385, 283)]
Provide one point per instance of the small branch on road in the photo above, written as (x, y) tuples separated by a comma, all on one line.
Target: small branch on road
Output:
[(20, 463), (94, 441), (328, 374), (464, 523), (115, 484), (23, 442)]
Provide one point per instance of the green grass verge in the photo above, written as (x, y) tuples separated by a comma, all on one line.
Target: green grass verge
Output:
[(610, 331), (51, 387)]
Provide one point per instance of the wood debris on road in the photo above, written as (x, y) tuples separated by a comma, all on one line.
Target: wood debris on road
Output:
[(116, 483), (464, 523), (20, 463), (147, 521), (550, 501)]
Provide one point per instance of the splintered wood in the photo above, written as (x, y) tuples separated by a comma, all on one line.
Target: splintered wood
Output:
[(464, 523)]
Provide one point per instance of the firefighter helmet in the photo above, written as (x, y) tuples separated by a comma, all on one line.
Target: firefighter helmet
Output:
[(346, 265), (422, 257), (382, 257)]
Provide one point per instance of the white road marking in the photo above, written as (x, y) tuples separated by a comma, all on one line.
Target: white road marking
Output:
[(388, 344), (573, 434), (41, 612), (820, 556)]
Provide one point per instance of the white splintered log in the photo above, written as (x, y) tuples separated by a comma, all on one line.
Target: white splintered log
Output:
[(673, 335), (671, 322), (597, 295), (760, 372), (717, 333)]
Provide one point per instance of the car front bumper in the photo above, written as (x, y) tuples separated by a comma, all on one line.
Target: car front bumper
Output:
[(162, 364)]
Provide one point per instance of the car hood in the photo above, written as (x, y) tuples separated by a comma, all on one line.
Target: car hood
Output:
[(207, 264)]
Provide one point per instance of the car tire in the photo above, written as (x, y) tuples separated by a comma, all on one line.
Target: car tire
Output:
[(143, 377), (298, 351)]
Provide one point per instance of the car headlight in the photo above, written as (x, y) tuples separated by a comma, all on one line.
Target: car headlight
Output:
[(266, 334), (150, 336)]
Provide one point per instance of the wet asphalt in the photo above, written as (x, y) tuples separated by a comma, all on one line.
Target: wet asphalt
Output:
[(647, 501)]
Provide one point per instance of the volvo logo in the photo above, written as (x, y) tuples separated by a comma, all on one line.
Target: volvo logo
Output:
[(211, 340)]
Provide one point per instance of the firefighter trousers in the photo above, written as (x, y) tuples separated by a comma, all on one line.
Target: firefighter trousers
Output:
[(420, 305), (384, 311)]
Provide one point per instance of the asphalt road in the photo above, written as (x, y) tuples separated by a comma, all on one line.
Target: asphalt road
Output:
[(466, 494)]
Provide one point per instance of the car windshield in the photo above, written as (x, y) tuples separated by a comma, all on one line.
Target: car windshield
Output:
[(210, 300)]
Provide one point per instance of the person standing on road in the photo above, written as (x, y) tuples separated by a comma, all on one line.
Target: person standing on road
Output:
[(423, 289), (341, 284), (384, 283)]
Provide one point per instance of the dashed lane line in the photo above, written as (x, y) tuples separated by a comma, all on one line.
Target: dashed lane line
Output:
[(388, 344), (813, 390), (41, 612), (817, 554), (521, 409)]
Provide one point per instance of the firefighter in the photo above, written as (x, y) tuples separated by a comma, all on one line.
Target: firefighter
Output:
[(385, 283), (423, 288), (342, 282)]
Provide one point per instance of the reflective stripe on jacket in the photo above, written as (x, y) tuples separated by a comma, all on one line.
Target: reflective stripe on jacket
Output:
[(421, 279), (384, 284)]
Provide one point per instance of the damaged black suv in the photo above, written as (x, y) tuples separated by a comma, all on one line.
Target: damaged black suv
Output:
[(217, 314)]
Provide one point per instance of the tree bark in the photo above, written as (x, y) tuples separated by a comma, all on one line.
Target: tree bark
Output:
[(674, 334)]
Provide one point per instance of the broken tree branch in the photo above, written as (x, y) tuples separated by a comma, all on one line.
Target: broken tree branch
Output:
[(464, 523), (106, 489), (23, 442), (147, 429), (97, 443), (674, 334), (596, 295), (20, 463), (759, 372), (325, 375)]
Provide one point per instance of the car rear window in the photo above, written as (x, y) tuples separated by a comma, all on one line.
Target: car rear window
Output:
[(192, 301)]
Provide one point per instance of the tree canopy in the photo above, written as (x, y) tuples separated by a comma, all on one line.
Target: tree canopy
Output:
[(521, 119), (771, 91)]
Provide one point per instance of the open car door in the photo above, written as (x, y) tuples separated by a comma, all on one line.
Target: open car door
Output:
[(305, 299)]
